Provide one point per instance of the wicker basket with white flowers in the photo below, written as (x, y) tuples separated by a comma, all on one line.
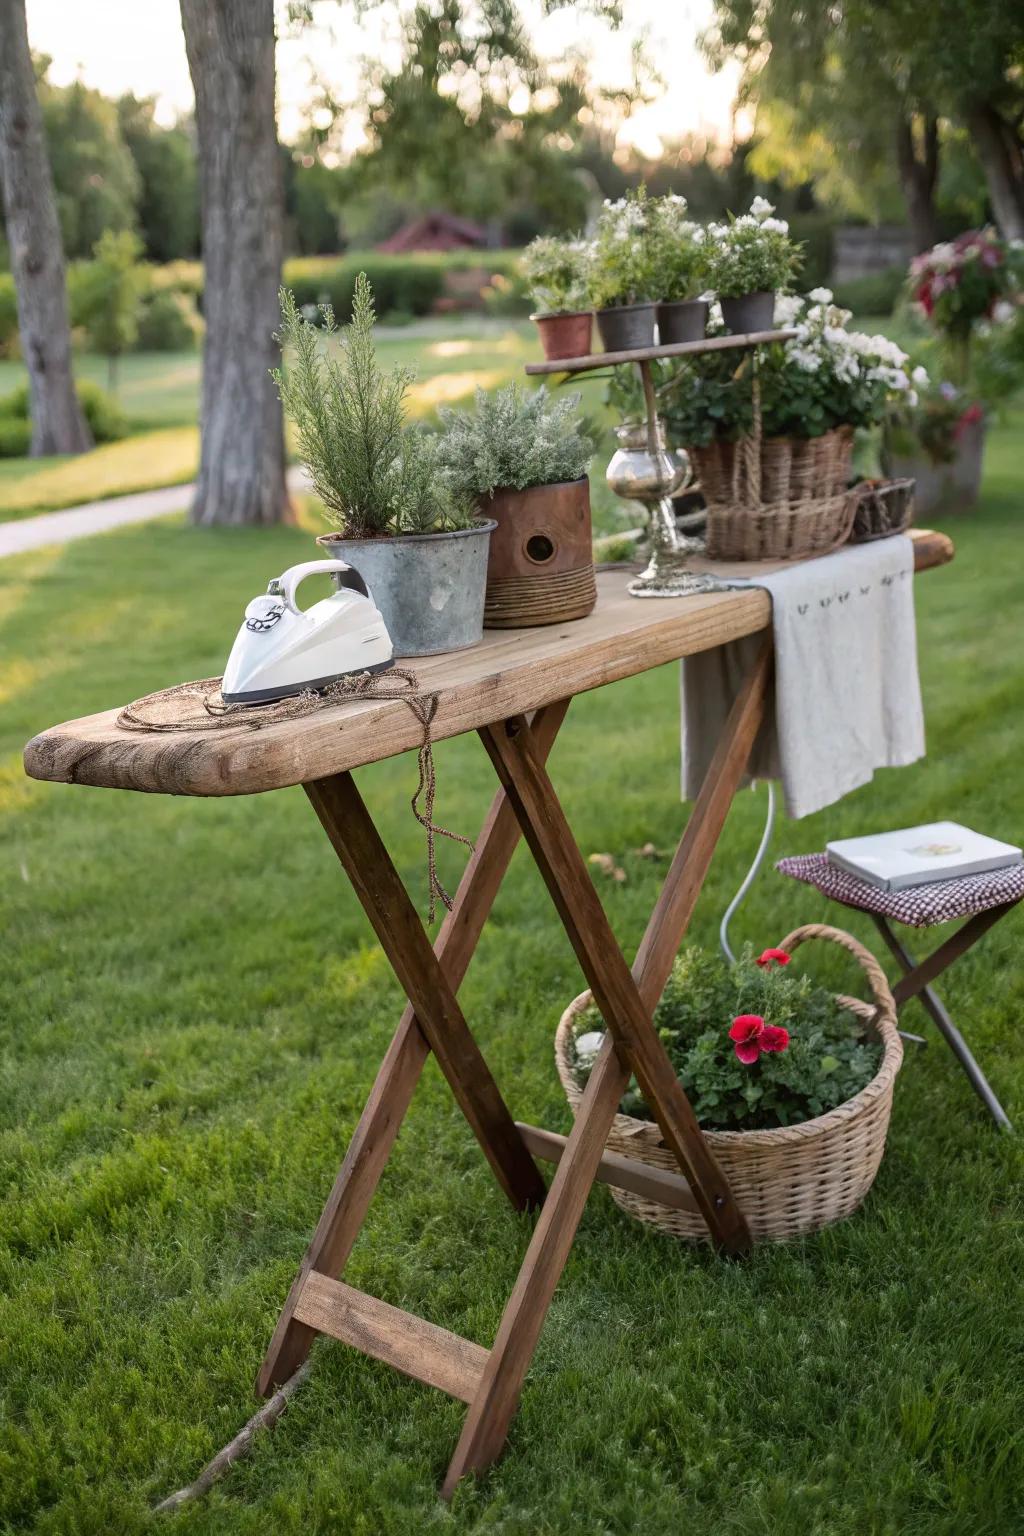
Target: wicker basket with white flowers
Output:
[(773, 447)]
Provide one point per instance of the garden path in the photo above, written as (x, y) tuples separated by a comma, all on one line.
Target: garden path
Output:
[(101, 516)]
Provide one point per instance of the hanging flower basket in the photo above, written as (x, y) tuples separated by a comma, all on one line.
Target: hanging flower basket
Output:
[(789, 1181)]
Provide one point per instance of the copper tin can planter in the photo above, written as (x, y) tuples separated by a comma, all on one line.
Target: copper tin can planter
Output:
[(540, 569), (565, 335)]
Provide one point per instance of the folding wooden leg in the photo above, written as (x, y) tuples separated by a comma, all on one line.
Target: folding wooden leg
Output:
[(495, 1403), (389, 1100)]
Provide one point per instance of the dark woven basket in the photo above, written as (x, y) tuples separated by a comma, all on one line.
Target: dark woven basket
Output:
[(885, 507)]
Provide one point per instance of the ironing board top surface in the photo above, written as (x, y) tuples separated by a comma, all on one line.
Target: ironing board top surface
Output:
[(511, 672)]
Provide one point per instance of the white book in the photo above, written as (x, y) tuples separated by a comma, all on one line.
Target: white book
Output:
[(920, 855)]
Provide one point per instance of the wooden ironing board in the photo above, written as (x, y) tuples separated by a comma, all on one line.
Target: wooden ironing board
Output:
[(514, 690)]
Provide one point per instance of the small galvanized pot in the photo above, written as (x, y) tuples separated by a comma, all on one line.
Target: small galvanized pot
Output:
[(565, 335), (626, 326), (682, 320), (429, 587), (749, 312)]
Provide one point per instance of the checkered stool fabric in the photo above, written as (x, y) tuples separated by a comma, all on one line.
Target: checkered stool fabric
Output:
[(919, 906)]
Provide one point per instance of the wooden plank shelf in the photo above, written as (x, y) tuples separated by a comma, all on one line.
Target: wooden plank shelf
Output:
[(654, 354)]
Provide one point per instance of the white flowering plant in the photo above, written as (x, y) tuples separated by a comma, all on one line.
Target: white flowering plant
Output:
[(621, 266), (752, 253), (827, 376), (678, 251), (823, 377), (556, 273)]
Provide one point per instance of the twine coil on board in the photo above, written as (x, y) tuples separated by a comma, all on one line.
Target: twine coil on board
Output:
[(200, 706)]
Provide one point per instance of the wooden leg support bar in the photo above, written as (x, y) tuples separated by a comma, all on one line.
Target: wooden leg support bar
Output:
[(418, 1348), (490, 1381)]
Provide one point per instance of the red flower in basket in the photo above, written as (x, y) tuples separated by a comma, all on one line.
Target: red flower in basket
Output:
[(769, 957), (751, 1035)]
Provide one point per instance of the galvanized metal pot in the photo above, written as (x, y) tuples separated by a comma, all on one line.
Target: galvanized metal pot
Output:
[(626, 326), (682, 320), (749, 312), (429, 587)]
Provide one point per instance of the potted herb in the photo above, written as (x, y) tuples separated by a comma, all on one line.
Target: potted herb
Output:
[(621, 275), (522, 459), (751, 259), (679, 263), (791, 1084), (555, 272), (418, 545)]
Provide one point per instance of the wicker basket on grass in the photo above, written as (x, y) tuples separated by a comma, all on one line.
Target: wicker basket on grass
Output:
[(777, 498), (884, 507), (790, 1181)]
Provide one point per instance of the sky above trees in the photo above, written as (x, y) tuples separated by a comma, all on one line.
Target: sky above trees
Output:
[(122, 45)]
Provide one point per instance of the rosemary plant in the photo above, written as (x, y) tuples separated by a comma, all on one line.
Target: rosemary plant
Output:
[(374, 474)]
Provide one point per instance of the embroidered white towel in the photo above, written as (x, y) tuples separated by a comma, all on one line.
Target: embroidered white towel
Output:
[(847, 693)]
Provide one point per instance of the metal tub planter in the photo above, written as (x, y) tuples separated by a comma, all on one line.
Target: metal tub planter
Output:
[(429, 587)]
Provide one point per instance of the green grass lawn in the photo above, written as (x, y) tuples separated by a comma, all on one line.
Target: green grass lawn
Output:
[(160, 392), (193, 1010)]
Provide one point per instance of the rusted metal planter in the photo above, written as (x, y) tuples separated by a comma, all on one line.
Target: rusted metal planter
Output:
[(540, 568)]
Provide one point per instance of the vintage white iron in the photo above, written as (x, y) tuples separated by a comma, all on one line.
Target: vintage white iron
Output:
[(281, 650)]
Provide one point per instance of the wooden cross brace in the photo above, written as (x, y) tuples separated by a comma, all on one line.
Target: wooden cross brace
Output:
[(490, 1381)]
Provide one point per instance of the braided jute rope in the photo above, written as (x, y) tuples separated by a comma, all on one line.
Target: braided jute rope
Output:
[(209, 711), (790, 1180)]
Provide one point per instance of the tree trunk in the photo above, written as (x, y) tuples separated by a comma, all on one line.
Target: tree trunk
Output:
[(918, 176), (230, 46), (37, 258), (999, 150)]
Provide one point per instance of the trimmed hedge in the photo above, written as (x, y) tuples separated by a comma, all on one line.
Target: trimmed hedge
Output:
[(8, 315), (403, 286), (106, 419), (15, 437)]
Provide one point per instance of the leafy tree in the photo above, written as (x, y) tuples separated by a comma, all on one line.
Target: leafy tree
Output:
[(94, 174), (967, 56), (165, 163), (36, 254), (837, 80), (107, 300), (829, 112)]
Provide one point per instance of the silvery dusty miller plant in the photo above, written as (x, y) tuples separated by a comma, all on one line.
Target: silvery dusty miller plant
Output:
[(751, 254), (374, 474), (555, 272), (513, 439)]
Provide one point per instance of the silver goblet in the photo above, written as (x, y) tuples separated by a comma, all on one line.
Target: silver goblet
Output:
[(646, 471)]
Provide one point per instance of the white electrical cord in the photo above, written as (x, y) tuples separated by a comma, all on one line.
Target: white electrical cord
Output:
[(749, 877)]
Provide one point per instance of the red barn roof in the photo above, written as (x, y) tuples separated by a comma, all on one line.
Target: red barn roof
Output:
[(436, 232)]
